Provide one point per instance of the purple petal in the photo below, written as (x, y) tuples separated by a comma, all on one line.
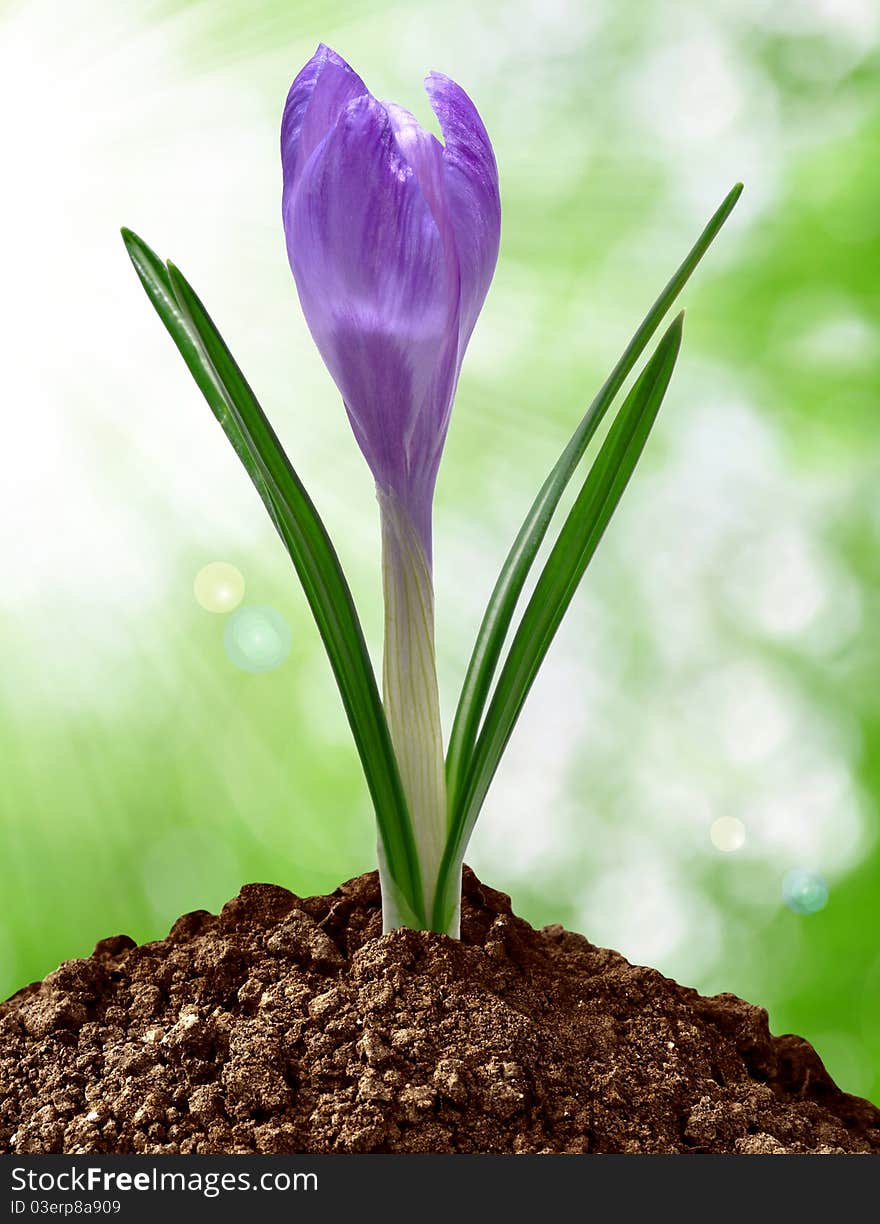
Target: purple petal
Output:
[(424, 154), (472, 186), (374, 279), (319, 93)]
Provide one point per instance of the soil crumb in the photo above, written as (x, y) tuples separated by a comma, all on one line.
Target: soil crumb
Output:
[(288, 1024)]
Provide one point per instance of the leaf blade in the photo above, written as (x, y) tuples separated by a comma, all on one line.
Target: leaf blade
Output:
[(305, 537), (502, 603), (571, 554)]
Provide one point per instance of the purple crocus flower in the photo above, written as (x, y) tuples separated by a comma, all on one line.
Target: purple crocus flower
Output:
[(392, 239)]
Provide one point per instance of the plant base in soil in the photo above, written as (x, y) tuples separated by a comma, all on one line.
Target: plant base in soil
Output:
[(293, 1025)]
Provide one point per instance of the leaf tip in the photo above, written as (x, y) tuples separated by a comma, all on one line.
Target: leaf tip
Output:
[(672, 337), (178, 280), (733, 196), (179, 286), (130, 238)]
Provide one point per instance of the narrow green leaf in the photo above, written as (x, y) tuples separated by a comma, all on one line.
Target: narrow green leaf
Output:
[(305, 537), (568, 560), (508, 588), (155, 278)]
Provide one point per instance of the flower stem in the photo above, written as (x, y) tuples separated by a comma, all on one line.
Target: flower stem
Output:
[(412, 705)]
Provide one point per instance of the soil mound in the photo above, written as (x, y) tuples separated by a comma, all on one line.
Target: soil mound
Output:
[(286, 1024)]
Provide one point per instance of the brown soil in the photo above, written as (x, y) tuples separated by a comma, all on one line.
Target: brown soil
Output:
[(292, 1025)]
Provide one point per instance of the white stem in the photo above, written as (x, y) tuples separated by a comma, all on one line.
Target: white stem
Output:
[(412, 704)]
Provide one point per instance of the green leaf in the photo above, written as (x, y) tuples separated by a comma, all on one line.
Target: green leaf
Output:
[(305, 537), (568, 560), (508, 588)]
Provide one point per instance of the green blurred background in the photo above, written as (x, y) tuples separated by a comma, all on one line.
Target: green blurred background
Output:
[(722, 662)]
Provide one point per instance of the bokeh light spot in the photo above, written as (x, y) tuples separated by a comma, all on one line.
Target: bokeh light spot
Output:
[(727, 834), (257, 639), (219, 587), (804, 892)]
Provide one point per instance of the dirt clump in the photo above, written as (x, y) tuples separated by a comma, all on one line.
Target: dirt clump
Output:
[(288, 1024)]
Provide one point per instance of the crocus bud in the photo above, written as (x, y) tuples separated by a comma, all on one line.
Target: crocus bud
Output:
[(392, 239)]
